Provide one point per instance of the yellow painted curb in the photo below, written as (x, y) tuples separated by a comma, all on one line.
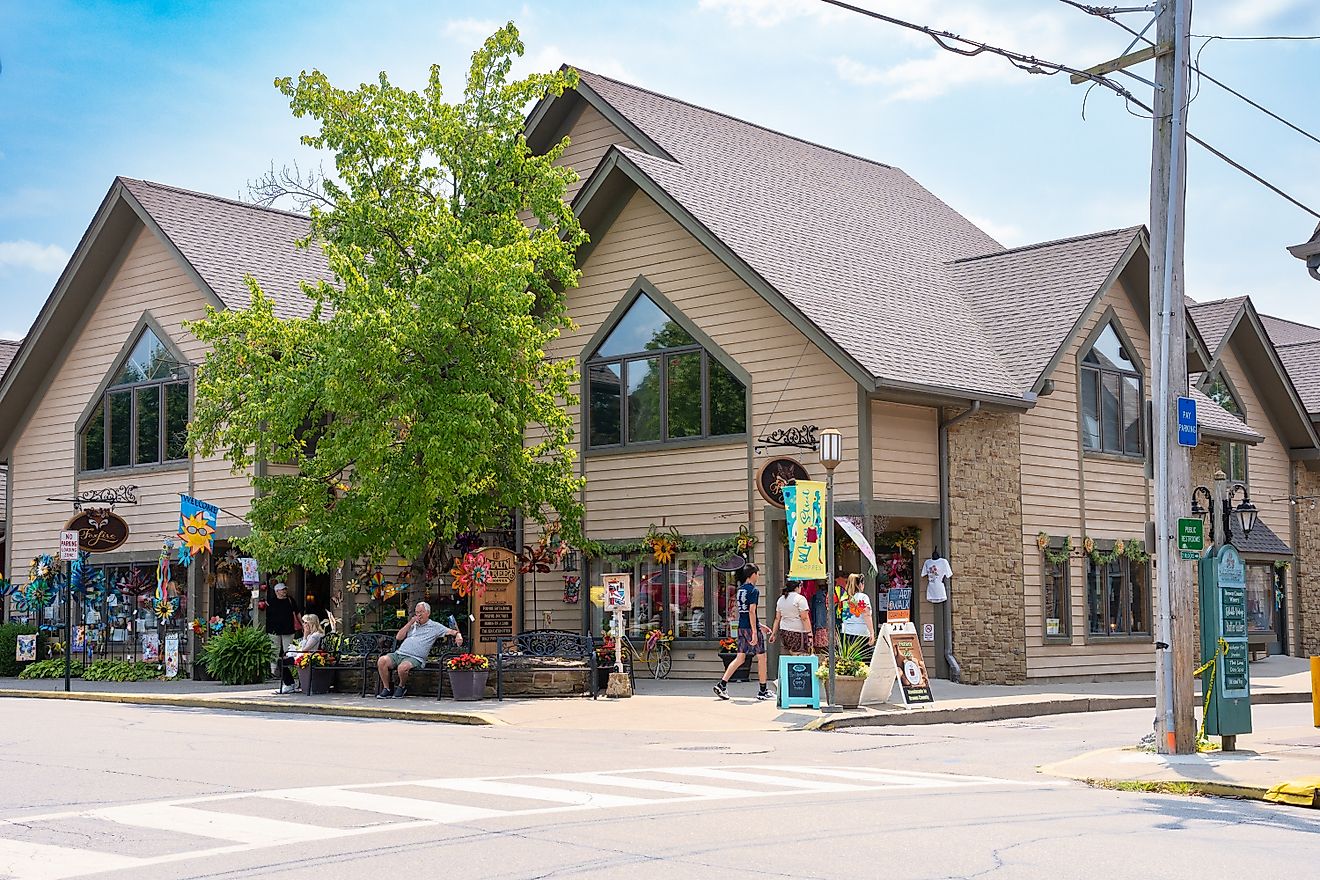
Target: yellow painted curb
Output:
[(1304, 792), (241, 704)]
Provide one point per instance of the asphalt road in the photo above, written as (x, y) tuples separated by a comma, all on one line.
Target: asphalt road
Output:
[(90, 789)]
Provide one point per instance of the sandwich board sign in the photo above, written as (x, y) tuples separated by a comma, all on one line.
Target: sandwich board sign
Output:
[(798, 684)]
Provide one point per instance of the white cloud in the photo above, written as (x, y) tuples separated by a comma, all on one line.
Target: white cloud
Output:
[(1243, 17), (29, 255), (471, 30)]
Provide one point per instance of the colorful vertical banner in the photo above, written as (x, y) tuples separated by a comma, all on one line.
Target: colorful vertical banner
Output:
[(172, 656), (196, 526), (808, 553), (790, 517)]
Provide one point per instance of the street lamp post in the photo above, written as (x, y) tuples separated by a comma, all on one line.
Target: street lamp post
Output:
[(1221, 526), (831, 456)]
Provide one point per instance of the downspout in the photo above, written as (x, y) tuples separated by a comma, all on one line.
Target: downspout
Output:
[(955, 671)]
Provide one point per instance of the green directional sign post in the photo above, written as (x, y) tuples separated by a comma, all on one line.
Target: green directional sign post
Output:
[(1224, 617), (1191, 537)]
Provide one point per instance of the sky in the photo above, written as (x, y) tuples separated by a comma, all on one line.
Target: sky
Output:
[(181, 93)]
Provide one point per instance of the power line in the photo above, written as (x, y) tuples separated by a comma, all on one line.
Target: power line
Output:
[(1107, 15), (1217, 37)]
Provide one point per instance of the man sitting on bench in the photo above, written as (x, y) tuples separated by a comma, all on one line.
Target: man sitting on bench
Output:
[(415, 640)]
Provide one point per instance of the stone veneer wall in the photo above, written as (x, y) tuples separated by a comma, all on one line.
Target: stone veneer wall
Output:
[(985, 534), (1306, 576)]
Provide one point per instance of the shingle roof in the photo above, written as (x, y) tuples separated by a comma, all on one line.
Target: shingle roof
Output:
[(867, 254), (1037, 292), (1261, 540), (225, 240), (1284, 332), (858, 247), (8, 350), (1215, 421), (1214, 318), (1302, 361)]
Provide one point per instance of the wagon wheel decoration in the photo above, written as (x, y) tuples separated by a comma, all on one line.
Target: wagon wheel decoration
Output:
[(471, 574)]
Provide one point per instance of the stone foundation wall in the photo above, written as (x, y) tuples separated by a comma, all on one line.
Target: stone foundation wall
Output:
[(985, 535), (1306, 566)]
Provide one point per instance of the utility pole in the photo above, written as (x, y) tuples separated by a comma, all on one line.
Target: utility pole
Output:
[(1174, 651)]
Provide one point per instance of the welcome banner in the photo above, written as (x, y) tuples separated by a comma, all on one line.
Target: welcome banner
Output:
[(807, 559), (196, 525)]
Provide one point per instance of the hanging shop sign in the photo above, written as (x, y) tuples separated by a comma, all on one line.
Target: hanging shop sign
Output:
[(496, 608), (100, 530), (808, 545), (777, 473)]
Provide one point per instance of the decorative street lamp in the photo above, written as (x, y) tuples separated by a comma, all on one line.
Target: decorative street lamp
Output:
[(831, 456), (1221, 527)]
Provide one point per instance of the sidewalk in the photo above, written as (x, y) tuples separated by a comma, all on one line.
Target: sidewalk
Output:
[(673, 705), (1280, 765)]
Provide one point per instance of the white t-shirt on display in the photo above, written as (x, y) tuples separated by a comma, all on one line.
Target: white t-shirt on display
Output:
[(935, 571), (855, 625), (790, 609)]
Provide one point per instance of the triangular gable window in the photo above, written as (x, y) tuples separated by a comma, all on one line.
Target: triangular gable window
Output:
[(1112, 397), (651, 381), (141, 418)]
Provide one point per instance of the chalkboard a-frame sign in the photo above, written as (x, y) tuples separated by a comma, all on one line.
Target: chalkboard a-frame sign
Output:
[(798, 685)]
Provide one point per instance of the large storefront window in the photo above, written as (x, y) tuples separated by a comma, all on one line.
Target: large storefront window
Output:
[(650, 381), (687, 596), (1262, 606), (142, 418), (1117, 598)]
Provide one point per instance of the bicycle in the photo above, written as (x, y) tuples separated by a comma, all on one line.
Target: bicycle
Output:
[(656, 656)]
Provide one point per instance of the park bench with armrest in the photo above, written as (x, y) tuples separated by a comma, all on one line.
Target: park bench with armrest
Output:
[(545, 650)]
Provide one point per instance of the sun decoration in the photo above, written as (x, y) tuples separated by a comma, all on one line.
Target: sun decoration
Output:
[(471, 574), (745, 540), (663, 544), (195, 535)]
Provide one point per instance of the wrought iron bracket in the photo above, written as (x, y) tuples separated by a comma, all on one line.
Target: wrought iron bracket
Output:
[(803, 437), (101, 497)]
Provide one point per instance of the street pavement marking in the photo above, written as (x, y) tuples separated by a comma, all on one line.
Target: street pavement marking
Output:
[(243, 833), (39, 861), (534, 792)]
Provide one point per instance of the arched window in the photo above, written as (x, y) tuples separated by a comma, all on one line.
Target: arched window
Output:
[(1232, 456), (1111, 397), (650, 381), (142, 416)]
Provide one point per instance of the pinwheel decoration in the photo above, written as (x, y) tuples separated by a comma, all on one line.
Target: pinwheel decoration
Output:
[(471, 574)]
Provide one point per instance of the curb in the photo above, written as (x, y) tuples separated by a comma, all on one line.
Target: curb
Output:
[(237, 704), (1004, 711)]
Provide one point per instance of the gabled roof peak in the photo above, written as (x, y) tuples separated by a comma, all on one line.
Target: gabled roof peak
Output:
[(1124, 231), (134, 183)]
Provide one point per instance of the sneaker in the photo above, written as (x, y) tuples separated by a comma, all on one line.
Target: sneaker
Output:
[(400, 692), (721, 690), (286, 689), (764, 694), (385, 694)]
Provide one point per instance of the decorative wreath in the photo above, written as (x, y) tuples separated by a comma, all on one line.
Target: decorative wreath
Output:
[(471, 574), (745, 540), (663, 544)]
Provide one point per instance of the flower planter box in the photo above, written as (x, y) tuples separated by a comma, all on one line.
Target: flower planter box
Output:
[(848, 690), (744, 671), (468, 684), (314, 679)]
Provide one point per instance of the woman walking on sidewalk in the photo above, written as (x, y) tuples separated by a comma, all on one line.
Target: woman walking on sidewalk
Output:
[(792, 621)]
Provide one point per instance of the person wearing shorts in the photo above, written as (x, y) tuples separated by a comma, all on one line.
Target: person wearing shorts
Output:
[(415, 639), (750, 640), (792, 621)]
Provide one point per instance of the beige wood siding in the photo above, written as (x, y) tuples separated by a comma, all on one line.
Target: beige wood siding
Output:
[(149, 279), (1268, 474), (1054, 483), (590, 136), (905, 452)]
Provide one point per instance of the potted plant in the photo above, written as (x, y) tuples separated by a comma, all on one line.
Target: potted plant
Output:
[(851, 666), (728, 651), (467, 676), (313, 677)]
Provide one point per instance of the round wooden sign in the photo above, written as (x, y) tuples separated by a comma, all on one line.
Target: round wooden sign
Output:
[(777, 473), (99, 530)]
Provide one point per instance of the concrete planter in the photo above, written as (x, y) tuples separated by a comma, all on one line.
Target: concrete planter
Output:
[(848, 690), (314, 679), (468, 684)]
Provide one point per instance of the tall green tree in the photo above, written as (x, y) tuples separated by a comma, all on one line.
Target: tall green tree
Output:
[(394, 417)]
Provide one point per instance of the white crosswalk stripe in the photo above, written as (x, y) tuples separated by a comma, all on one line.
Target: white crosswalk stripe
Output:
[(216, 817)]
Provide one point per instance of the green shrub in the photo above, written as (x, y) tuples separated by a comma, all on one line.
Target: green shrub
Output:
[(52, 668), (121, 670), (9, 634), (239, 655)]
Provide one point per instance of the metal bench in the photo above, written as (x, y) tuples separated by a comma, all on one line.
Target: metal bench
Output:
[(543, 645), (358, 651)]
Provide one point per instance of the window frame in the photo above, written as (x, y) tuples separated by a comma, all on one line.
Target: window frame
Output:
[(701, 344), (641, 566), (99, 407), (1228, 448), (1048, 571), (1104, 579), (1095, 373)]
